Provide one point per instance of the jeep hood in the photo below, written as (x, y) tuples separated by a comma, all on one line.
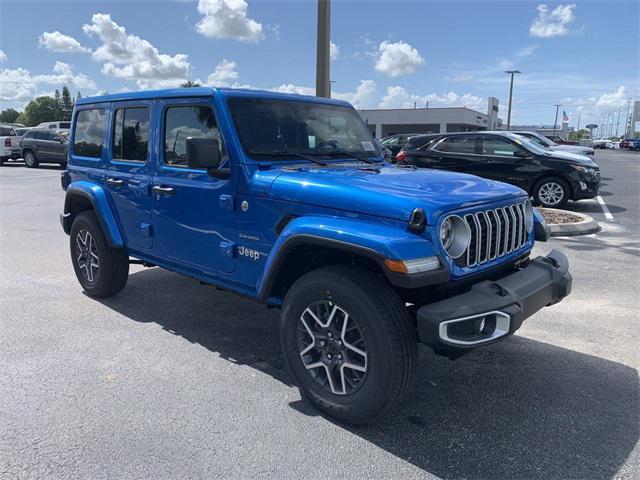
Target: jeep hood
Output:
[(388, 191)]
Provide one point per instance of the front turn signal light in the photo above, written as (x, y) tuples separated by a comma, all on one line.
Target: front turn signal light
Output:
[(410, 267)]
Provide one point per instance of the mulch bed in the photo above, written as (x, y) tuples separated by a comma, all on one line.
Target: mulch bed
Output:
[(556, 217)]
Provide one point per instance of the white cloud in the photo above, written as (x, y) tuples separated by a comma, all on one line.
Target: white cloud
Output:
[(228, 19), (363, 97), (224, 75), (130, 57), (334, 51), (552, 23), (59, 42), (19, 85), (592, 109), (612, 100), (3, 56), (291, 88), (399, 97), (527, 51), (396, 59)]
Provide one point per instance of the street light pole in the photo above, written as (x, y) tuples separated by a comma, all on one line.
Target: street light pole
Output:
[(627, 130), (512, 73), (555, 122), (323, 86)]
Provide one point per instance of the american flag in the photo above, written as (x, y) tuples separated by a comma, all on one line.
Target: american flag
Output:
[(565, 117)]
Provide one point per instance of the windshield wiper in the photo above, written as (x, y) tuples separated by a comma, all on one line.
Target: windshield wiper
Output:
[(348, 154), (293, 153)]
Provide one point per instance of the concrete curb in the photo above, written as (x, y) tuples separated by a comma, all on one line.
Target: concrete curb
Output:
[(584, 227)]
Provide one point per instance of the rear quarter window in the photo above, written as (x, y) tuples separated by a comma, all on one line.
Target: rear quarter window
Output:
[(89, 133)]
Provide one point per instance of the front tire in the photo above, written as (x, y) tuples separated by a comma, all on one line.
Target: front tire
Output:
[(551, 193), (101, 270), (349, 342), (30, 160)]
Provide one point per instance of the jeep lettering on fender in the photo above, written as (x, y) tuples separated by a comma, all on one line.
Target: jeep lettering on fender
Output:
[(337, 238)]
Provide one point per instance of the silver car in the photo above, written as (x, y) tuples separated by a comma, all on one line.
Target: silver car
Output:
[(549, 144)]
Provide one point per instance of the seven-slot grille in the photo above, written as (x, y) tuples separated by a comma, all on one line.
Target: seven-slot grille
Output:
[(494, 233)]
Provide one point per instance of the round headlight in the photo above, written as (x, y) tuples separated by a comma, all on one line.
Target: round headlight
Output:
[(454, 235), (446, 233), (528, 215)]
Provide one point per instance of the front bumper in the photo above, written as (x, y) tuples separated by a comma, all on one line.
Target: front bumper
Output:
[(585, 186), (493, 310)]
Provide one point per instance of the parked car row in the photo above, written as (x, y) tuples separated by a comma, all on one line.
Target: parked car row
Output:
[(551, 177), (46, 143)]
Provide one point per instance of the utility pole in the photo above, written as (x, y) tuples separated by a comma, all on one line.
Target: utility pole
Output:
[(323, 86), (512, 73), (555, 122), (578, 127)]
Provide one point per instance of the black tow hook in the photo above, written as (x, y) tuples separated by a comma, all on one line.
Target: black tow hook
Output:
[(552, 261)]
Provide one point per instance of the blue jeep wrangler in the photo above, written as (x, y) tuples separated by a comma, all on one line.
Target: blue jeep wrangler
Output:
[(286, 199)]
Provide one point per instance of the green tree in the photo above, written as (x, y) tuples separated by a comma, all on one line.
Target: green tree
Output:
[(189, 84), (66, 104), (579, 135), (9, 115), (42, 109)]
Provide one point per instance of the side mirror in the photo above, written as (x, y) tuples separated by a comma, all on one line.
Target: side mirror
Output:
[(203, 153), (522, 154)]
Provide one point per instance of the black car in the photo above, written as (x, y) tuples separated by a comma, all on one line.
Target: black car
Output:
[(43, 145), (551, 177), (396, 142)]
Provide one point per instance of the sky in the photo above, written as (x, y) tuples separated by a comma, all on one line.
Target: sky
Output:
[(385, 54)]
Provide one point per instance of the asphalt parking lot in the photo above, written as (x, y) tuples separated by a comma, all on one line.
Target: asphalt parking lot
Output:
[(173, 379)]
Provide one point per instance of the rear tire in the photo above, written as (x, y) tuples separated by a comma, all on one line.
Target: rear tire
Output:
[(358, 361), (551, 192), (101, 270), (30, 159)]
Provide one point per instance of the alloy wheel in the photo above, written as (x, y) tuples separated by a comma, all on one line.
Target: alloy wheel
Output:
[(551, 193), (87, 256), (332, 347), (29, 159)]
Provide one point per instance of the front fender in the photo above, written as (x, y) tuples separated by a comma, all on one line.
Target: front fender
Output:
[(95, 194), (375, 241)]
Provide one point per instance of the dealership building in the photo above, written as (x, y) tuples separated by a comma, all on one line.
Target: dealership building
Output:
[(385, 122)]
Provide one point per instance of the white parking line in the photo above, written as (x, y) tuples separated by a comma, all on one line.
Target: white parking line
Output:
[(605, 209)]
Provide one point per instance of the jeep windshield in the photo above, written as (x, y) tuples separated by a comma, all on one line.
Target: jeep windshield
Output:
[(291, 129)]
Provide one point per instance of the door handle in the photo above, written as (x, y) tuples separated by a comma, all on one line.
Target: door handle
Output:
[(159, 190), (116, 182)]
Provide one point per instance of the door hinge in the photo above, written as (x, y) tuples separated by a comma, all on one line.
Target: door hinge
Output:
[(228, 249), (226, 202), (146, 229)]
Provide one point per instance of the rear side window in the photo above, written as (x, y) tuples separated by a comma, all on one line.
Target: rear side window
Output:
[(466, 145), (182, 123), (42, 135), (31, 134), (131, 134), (7, 132), (418, 142), (89, 133), (65, 125)]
